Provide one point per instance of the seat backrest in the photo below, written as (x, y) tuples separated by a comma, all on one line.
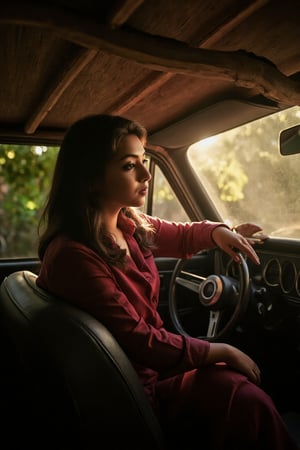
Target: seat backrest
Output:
[(77, 369)]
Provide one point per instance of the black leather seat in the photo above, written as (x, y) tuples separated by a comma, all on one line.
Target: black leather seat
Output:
[(81, 390)]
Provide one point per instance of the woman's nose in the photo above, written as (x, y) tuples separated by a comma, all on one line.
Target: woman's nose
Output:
[(145, 174)]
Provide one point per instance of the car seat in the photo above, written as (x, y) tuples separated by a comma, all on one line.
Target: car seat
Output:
[(80, 389)]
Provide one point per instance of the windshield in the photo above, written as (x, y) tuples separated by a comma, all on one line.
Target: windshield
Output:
[(248, 179)]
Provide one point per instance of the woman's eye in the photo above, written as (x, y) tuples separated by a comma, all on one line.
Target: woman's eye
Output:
[(129, 166)]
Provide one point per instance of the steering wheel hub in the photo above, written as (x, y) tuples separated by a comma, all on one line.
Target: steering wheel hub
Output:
[(210, 290)]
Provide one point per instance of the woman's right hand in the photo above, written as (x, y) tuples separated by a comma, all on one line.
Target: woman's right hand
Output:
[(252, 232)]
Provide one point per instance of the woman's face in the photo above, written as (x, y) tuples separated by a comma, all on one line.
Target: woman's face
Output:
[(126, 177)]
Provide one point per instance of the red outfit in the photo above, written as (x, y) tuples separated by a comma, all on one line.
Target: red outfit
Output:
[(167, 363)]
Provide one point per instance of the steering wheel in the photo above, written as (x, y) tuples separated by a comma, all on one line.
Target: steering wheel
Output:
[(218, 293)]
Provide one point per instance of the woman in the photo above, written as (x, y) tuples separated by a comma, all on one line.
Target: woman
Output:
[(96, 246)]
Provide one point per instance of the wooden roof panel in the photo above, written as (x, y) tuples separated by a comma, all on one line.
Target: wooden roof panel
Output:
[(153, 61)]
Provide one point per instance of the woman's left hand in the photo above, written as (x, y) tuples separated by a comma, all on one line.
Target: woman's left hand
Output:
[(232, 243)]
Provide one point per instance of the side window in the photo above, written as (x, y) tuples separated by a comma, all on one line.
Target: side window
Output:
[(25, 177), (165, 203)]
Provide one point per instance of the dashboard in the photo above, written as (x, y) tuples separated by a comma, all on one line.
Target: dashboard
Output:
[(275, 285), (279, 267)]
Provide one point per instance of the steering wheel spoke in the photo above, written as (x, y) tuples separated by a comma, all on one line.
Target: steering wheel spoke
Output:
[(192, 285), (213, 323)]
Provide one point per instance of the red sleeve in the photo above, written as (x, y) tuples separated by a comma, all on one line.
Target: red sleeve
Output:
[(182, 240)]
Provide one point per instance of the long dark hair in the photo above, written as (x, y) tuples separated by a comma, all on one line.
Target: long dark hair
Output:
[(72, 207)]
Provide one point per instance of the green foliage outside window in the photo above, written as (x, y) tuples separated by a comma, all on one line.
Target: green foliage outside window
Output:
[(25, 177), (247, 177)]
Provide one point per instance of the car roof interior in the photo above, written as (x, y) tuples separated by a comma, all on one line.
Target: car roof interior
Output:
[(184, 69)]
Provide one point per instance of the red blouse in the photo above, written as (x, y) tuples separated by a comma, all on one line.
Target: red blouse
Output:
[(126, 301)]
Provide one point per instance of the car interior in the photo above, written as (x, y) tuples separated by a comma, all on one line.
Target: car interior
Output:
[(217, 86)]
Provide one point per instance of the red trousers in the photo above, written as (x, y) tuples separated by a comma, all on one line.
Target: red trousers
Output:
[(221, 410)]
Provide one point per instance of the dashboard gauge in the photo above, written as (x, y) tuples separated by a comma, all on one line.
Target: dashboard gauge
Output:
[(288, 277), (272, 272)]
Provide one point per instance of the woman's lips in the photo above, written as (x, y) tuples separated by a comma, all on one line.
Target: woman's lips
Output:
[(143, 191)]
